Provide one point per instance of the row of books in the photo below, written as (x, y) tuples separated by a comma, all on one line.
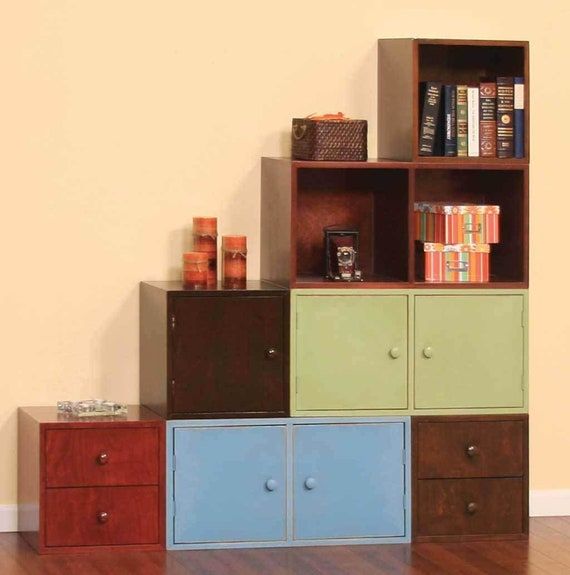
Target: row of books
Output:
[(486, 120)]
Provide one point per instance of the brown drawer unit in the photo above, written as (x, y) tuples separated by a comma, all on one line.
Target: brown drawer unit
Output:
[(87, 516), (214, 353), (91, 484), (79, 457), (469, 477)]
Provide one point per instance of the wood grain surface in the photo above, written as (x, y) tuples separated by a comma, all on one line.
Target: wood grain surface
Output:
[(547, 552)]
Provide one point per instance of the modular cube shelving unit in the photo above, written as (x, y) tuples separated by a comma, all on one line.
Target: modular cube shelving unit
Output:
[(353, 363)]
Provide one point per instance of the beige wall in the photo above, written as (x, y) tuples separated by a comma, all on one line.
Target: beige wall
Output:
[(121, 119)]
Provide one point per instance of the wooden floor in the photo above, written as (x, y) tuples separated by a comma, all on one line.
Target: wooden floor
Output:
[(546, 552)]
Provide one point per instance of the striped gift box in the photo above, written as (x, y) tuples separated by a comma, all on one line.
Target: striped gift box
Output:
[(456, 224), (456, 262)]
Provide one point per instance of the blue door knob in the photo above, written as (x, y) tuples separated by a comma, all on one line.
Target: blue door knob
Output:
[(310, 483), (271, 485)]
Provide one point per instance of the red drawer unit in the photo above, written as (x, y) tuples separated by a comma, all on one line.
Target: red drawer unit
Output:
[(91, 484)]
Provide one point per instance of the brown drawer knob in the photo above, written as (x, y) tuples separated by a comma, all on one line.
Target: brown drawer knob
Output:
[(471, 508), (102, 517), (472, 451), (270, 353), (103, 458)]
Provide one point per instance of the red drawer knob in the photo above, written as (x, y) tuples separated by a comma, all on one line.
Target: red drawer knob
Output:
[(103, 458), (472, 451), (471, 508), (102, 517)]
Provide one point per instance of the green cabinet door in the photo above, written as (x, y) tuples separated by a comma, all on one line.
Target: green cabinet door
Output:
[(469, 351), (351, 352)]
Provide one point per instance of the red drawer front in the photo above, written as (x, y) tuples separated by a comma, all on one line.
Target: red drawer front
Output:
[(470, 449), (469, 507), (91, 457), (101, 516)]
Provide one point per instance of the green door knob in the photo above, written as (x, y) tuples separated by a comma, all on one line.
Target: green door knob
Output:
[(395, 353), (428, 352)]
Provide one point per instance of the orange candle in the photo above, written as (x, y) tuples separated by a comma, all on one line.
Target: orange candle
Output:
[(195, 273), (206, 240), (234, 271)]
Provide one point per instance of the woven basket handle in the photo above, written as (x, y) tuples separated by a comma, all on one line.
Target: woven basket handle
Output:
[(299, 131)]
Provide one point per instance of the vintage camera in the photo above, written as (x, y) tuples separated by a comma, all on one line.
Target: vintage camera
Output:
[(341, 254)]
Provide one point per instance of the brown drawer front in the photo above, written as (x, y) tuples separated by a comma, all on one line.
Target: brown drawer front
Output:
[(91, 457), (469, 507), (101, 516), (470, 449)]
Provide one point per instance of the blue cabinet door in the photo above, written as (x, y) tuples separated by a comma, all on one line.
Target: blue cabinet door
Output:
[(349, 481), (230, 484)]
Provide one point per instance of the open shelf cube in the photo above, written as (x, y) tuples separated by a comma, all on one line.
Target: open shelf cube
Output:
[(505, 188), (306, 197), (404, 63)]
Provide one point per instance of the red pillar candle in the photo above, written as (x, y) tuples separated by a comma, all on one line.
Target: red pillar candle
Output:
[(206, 240), (195, 273), (234, 254)]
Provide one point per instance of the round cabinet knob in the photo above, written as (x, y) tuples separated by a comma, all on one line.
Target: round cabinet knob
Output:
[(310, 483), (270, 353), (103, 458), (472, 451), (428, 352), (102, 517), (471, 508), (395, 353), (271, 485)]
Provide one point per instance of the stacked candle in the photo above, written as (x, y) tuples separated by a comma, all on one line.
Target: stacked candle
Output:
[(234, 259), (206, 241), (195, 271)]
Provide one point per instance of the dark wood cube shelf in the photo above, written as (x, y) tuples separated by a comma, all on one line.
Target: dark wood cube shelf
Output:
[(404, 63), (298, 199), (214, 353)]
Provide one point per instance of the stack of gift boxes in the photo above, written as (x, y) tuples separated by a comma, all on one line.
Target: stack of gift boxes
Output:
[(456, 240)]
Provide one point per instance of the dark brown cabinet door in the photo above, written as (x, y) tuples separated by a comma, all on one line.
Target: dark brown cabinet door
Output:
[(229, 356)]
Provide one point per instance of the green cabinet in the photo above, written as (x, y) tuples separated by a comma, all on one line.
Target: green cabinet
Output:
[(422, 351), (469, 351), (351, 352)]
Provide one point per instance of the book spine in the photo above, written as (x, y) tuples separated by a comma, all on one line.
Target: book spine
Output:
[(450, 103), (488, 119), (505, 113), (519, 117), (462, 120), (430, 118), (473, 121)]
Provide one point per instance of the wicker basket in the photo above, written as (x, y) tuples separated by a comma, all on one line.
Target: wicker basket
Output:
[(330, 137)]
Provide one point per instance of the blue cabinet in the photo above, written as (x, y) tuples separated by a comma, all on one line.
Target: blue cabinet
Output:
[(230, 484), (349, 481), (248, 483)]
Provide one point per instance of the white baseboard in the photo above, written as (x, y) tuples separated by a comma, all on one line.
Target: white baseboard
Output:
[(543, 503), (549, 502), (8, 518)]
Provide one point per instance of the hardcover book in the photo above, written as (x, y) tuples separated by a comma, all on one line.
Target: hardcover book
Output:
[(519, 117), (488, 119), (450, 116), (473, 121), (429, 126), (462, 120), (505, 113)]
